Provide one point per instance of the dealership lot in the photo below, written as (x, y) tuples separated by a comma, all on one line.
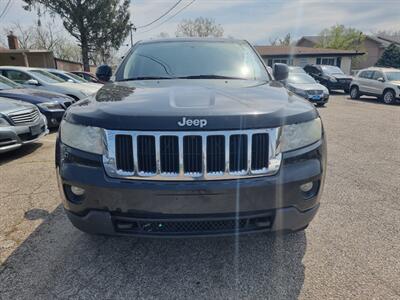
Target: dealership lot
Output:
[(351, 250)]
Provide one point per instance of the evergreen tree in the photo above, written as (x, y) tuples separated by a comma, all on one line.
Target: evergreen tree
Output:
[(390, 57)]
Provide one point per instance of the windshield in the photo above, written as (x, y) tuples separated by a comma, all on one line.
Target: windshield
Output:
[(300, 78), (236, 60), (6, 84), (46, 76), (76, 77), (331, 70), (393, 76)]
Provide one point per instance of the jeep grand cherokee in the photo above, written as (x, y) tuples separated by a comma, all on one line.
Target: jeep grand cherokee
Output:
[(194, 137)]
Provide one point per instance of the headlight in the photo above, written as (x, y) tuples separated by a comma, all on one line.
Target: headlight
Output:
[(85, 138), (50, 105), (332, 79), (300, 135), (4, 122), (300, 92)]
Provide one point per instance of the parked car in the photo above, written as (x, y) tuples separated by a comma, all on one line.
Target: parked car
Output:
[(294, 69), (383, 83), (52, 105), (20, 123), (305, 86), (43, 80), (70, 77), (331, 77), (87, 76), (200, 147)]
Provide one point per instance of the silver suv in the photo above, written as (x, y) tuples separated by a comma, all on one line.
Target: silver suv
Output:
[(383, 83)]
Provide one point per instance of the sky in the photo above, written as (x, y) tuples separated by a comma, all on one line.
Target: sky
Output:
[(257, 21)]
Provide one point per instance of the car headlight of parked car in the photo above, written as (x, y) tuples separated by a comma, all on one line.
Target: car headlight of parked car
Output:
[(85, 138), (299, 135), (54, 105), (332, 79), (3, 122)]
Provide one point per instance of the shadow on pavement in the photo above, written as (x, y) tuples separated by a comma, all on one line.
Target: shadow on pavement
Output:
[(58, 261), (20, 152)]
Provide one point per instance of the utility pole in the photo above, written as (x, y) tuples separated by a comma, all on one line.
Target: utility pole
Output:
[(132, 28)]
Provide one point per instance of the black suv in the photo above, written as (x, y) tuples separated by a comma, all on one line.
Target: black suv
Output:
[(193, 138), (330, 76)]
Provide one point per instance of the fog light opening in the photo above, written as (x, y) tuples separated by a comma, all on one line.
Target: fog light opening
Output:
[(306, 187), (77, 191)]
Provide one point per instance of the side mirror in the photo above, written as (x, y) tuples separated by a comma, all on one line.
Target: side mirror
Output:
[(104, 73), (281, 71), (32, 82), (381, 79)]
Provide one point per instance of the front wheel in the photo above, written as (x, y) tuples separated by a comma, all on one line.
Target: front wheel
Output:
[(388, 97), (354, 93)]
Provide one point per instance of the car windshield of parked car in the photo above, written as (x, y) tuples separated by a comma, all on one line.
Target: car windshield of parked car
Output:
[(300, 78), (393, 76), (46, 76), (6, 84), (331, 70), (76, 77), (193, 60)]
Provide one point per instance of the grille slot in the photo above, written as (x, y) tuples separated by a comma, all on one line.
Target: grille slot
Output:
[(169, 154), (192, 154), (124, 153), (24, 117), (238, 153), (259, 151), (216, 154), (146, 152), (186, 155)]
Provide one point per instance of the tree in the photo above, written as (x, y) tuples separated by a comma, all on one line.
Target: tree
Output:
[(200, 27), (285, 41), (47, 37), (341, 37), (390, 57), (96, 24)]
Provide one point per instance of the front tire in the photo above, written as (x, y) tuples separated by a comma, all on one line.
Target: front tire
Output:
[(389, 97), (354, 93)]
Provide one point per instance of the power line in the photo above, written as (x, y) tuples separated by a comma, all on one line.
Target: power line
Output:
[(166, 20), (3, 13), (164, 14)]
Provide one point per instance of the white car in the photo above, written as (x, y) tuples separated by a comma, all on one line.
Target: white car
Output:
[(40, 79), (383, 83)]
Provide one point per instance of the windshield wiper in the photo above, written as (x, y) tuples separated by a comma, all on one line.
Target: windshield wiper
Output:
[(208, 77), (146, 78)]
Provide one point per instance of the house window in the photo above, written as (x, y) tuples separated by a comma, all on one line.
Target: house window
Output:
[(326, 61), (287, 61)]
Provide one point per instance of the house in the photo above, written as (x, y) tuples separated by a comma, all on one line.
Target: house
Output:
[(301, 56), (373, 46)]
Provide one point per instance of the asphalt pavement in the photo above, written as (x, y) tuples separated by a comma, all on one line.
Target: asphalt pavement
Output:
[(350, 251)]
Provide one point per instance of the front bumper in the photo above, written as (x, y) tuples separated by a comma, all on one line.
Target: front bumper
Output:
[(13, 137), (338, 85), (155, 208)]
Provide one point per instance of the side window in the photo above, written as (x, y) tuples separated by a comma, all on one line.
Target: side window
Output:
[(17, 76), (377, 75), (366, 74)]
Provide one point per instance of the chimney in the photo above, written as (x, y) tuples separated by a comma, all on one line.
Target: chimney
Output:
[(12, 41)]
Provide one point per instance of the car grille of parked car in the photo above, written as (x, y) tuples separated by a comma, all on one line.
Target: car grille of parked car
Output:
[(344, 80), (192, 155), (25, 116), (314, 92)]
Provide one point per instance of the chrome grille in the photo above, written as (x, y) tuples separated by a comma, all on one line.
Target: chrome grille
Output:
[(25, 116), (314, 92), (188, 155)]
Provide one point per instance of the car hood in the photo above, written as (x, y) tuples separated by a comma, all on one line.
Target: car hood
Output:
[(397, 82), (83, 88), (33, 96), (160, 105), (309, 86), (8, 105), (342, 76)]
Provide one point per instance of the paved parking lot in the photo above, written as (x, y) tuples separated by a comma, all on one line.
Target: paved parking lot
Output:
[(351, 250)]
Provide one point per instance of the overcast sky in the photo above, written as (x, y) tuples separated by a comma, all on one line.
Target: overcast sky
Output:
[(255, 20)]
